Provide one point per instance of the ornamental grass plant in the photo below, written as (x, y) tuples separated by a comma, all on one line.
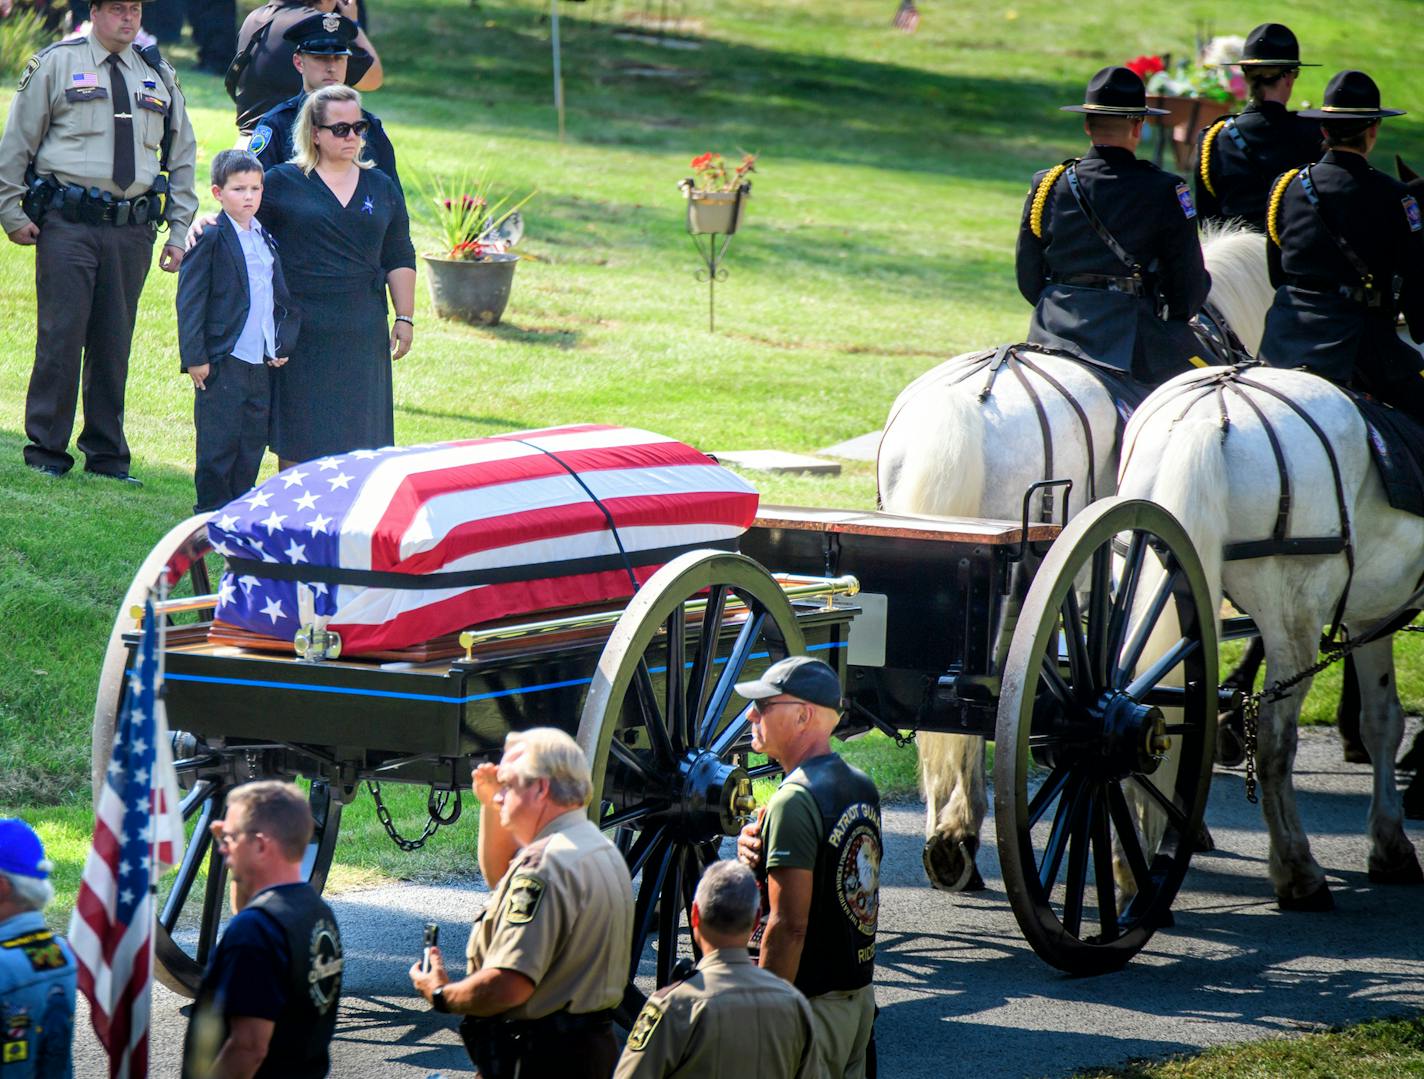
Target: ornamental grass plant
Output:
[(469, 213)]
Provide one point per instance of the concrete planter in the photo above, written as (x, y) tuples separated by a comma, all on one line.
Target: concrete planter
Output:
[(473, 292)]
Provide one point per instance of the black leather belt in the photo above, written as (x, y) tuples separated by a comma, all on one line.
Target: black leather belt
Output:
[(1370, 297), (1108, 282)]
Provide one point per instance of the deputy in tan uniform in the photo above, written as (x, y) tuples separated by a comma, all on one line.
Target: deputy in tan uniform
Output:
[(730, 1016), (94, 127), (548, 958)]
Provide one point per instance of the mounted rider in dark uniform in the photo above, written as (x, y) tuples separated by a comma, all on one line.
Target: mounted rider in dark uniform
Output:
[(1346, 253), (1239, 156), (1108, 251)]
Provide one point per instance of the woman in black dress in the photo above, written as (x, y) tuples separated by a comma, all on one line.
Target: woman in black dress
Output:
[(344, 235)]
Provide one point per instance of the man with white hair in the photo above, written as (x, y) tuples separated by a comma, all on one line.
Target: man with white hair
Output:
[(547, 960), (729, 1011), (37, 970)]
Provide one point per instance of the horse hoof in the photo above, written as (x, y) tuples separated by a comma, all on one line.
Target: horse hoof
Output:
[(950, 865), (1316, 902), (1202, 842), (1406, 871), (1230, 745)]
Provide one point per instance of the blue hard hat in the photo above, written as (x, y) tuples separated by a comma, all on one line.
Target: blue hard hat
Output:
[(21, 851)]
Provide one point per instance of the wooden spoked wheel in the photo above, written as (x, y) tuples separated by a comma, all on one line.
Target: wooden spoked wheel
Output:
[(1108, 700), (192, 898), (666, 739)]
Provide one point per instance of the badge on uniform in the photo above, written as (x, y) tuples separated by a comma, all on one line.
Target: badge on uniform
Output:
[(260, 138), (1184, 200), (41, 949), (1411, 213), (644, 1026), (28, 73), (151, 103), (523, 902), (14, 1036), (80, 79)]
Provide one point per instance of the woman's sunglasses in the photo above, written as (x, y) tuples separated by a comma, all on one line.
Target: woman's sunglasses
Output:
[(360, 127)]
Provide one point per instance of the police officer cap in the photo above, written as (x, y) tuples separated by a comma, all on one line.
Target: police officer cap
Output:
[(1351, 95), (325, 35), (1271, 45), (21, 851), (801, 677), (1115, 91)]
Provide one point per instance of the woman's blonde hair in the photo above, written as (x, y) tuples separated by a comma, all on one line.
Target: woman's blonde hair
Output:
[(314, 112)]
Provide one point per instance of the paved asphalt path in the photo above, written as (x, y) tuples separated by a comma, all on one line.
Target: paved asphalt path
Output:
[(960, 991)]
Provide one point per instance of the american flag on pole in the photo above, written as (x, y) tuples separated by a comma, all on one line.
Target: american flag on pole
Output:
[(138, 831), (403, 545), (907, 17)]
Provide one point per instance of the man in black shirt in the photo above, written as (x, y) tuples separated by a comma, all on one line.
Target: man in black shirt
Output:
[(267, 1004), (1239, 156), (817, 846), (1107, 249), (262, 76), (1346, 253)]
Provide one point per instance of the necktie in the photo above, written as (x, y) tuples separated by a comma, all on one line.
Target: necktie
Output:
[(123, 126)]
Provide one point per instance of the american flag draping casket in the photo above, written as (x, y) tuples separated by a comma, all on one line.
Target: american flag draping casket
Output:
[(406, 544)]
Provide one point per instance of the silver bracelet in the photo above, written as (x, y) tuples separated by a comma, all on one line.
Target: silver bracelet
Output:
[(405, 318)]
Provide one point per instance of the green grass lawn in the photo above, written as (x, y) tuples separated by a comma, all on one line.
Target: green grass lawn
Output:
[(878, 241)]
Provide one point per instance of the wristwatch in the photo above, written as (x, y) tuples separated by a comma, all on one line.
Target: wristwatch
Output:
[(438, 1002)]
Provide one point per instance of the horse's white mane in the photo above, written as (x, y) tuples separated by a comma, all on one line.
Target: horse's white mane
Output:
[(1240, 288)]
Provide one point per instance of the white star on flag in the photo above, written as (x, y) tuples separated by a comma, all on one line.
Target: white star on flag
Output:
[(225, 592), (273, 610), (222, 549), (293, 478), (326, 464), (318, 525), (258, 500), (127, 896), (248, 583), (307, 501), (319, 587), (365, 455), (273, 521), (341, 479), (297, 552), (228, 522)]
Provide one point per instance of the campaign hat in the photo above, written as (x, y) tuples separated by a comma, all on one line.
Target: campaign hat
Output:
[(1271, 44), (324, 34), (1115, 91), (801, 677), (1350, 95), (21, 852)]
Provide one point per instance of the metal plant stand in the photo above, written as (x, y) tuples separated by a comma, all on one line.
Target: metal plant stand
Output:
[(714, 252)]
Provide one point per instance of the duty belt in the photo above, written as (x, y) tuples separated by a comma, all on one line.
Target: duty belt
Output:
[(91, 206), (1133, 286), (1369, 297)]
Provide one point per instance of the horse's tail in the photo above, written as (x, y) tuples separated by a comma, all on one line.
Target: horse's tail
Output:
[(1240, 284), (1183, 469), (931, 456)]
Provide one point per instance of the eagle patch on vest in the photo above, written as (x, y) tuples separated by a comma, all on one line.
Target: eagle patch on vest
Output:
[(644, 1026), (523, 902), (858, 868), (326, 963), (1184, 200), (1411, 213)]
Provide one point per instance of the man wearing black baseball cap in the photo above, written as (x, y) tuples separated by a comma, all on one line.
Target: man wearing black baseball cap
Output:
[(816, 847), (324, 46), (1346, 253), (1238, 156), (1107, 249)]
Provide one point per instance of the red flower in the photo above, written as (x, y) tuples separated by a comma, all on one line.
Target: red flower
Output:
[(702, 161), (1144, 66)]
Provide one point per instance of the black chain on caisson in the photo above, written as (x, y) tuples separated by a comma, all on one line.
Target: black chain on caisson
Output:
[(434, 805)]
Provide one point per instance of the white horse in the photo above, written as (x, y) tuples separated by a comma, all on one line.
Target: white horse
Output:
[(1207, 457), (949, 450)]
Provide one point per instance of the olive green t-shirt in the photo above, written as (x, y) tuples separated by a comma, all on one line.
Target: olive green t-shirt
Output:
[(791, 829)]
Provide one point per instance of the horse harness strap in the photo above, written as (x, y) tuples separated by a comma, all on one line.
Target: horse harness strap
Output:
[(1280, 541), (1218, 338)]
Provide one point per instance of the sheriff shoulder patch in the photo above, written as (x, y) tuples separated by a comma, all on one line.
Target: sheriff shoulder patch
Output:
[(30, 69), (260, 138), (1411, 213), (644, 1026), (1184, 200), (525, 892)]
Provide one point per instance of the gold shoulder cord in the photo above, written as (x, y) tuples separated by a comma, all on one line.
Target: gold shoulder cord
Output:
[(1278, 193), (1040, 199), (1204, 166)]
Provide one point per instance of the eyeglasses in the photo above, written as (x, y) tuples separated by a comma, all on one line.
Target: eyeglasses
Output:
[(228, 839), (360, 127), (762, 707)]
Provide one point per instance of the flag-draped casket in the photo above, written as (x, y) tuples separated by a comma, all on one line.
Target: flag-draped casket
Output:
[(406, 544)]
